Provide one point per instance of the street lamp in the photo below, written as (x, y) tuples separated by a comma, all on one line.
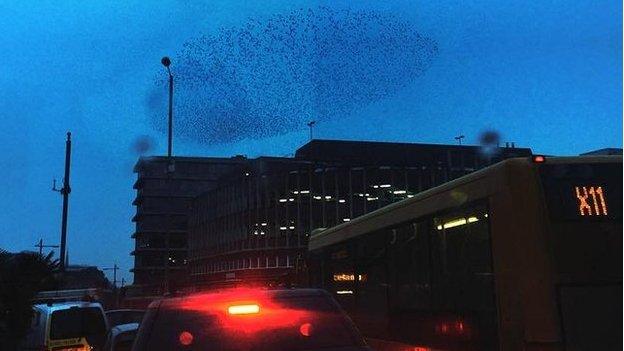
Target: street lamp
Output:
[(167, 62), (170, 169)]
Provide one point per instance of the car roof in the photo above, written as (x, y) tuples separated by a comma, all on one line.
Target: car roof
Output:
[(124, 310), (51, 307), (238, 292), (121, 328)]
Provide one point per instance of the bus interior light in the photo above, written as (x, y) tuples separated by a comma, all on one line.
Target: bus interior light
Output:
[(344, 292), (457, 222), (454, 223)]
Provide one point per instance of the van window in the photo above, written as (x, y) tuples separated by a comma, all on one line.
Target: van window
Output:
[(79, 322)]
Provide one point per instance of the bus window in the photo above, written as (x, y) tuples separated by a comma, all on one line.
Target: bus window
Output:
[(462, 280), (372, 290), (410, 265)]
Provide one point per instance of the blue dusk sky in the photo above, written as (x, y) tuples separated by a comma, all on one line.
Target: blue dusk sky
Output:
[(545, 74)]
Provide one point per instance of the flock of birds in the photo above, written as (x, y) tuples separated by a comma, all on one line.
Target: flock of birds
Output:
[(271, 77)]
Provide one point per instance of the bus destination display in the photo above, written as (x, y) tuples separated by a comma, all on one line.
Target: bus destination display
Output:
[(591, 200), (583, 192)]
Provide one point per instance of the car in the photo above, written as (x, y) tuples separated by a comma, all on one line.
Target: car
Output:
[(120, 337), (74, 326), (125, 316), (243, 319)]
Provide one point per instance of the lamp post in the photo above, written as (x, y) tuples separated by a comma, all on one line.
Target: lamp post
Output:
[(170, 169), (167, 62), (65, 190)]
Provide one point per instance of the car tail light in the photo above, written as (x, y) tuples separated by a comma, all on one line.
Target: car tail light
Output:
[(539, 159), (244, 309), (185, 338), (305, 329)]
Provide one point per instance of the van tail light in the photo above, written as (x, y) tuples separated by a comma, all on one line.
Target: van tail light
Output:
[(453, 328), (74, 348), (244, 309)]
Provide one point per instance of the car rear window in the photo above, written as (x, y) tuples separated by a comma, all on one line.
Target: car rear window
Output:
[(124, 317), (78, 322), (298, 324)]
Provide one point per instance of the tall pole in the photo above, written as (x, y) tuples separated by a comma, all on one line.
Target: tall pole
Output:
[(65, 192), (167, 62), (170, 141), (170, 169)]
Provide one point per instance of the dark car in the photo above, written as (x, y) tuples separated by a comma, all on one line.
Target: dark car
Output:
[(249, 319), (120, 337), (117, 317)]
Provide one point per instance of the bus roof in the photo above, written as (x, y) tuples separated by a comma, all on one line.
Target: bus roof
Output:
[(344, 231)]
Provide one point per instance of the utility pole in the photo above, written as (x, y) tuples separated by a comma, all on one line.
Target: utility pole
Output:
[(114, 268), (65, 190), (311, 126), (41, 246)]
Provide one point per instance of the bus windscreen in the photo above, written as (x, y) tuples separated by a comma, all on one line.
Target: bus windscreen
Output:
[(584, 192)]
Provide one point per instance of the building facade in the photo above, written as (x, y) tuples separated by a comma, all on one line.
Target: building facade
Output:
[(165, 190), (256, 223)]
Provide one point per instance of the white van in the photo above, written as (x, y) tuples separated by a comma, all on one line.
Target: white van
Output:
[(70, 326)]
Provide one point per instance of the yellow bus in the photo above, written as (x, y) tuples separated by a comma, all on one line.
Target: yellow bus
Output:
[(523, 255)]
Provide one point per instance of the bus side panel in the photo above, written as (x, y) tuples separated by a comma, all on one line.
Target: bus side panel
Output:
[(523, 262)]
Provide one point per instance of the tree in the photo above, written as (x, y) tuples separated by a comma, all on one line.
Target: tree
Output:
[(22, 276)]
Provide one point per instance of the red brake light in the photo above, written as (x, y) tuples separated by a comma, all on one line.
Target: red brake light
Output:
[(305, 329), (243, 309), (185, 338), (539, 159)]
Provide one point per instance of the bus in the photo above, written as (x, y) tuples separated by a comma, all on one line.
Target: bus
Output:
[(523, 255)]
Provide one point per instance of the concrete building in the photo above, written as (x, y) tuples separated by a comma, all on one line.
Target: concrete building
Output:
[(255, 224), (165, 191)]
